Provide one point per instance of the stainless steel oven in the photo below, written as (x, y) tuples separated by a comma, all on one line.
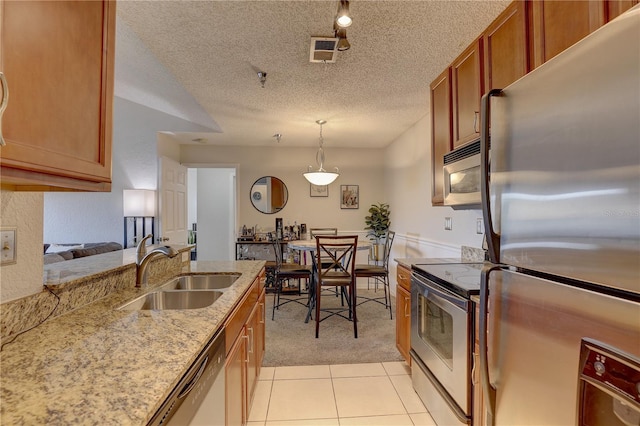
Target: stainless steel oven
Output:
[(442, 327)]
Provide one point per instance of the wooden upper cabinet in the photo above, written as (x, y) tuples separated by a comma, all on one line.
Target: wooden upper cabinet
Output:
[(466, 91), (615, 8), (558, 25), (440, 132), (505, 46), (58, 59)]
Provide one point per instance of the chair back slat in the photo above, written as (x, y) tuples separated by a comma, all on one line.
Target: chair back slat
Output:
[(388, 242), (336, 255)]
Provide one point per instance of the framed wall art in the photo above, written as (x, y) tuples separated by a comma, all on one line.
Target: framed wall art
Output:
[(349, 197), (318, 190)]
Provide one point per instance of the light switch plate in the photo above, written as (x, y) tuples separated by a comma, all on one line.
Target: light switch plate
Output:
[(447, 224), (479, 226), (8, 245)]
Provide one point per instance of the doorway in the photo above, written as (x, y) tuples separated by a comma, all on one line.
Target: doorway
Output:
[(211, 211)]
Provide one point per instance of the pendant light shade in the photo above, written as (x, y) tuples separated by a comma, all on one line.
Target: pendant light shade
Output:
[(320, 176)]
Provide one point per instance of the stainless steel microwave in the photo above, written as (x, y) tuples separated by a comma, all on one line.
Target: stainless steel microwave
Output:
[(462, 177)]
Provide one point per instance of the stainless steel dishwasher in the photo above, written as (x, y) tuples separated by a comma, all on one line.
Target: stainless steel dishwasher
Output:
[(199, 398)]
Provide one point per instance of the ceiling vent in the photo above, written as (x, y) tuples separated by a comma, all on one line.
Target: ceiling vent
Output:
[(323, 49)]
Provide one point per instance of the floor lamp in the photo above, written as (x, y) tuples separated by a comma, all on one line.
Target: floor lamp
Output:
[(139, 214)]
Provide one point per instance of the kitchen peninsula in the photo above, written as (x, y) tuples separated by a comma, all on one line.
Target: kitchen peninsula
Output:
[(99, 365)]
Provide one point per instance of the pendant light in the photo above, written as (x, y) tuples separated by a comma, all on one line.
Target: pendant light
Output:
[(343, 19), (321, 176)]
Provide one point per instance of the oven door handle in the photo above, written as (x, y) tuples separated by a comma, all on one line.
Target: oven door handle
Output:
[(457, 301)]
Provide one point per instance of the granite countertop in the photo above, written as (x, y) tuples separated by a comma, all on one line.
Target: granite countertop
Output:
[(99, 365), (408, 261)]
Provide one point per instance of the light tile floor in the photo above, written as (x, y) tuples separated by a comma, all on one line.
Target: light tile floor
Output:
[(338, 395)]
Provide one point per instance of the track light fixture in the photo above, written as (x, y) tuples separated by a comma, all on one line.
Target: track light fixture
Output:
[(341, 35), (262, 76), (343, 19)]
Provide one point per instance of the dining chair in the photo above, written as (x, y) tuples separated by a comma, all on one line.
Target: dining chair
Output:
[(324, 231), (285, 272), (380, 273), (335, 260)]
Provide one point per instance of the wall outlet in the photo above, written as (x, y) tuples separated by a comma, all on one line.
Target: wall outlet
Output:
[(7, 246), (447, 224), (479, 226)]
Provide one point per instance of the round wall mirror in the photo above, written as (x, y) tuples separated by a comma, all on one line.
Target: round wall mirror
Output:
[(269, 194)]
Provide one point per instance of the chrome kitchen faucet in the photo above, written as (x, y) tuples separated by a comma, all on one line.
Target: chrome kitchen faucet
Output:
[(143, 258)]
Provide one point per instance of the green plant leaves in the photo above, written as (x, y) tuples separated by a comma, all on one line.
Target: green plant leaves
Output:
[(378, 221)]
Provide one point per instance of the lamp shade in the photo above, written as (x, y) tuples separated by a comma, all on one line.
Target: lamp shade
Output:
[(321, 177), (139, 202)]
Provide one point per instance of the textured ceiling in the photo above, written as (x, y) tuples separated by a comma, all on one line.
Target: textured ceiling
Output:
[(213, 50)]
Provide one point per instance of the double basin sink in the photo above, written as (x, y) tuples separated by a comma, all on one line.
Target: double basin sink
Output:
[(184, 292)]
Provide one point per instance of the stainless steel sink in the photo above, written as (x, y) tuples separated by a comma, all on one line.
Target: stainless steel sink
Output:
[(175, 299), (201, 282)]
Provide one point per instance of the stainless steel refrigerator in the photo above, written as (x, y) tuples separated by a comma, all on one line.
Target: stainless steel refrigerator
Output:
[(560, 305)]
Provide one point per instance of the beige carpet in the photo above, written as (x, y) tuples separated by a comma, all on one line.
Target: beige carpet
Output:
[(289, 341)]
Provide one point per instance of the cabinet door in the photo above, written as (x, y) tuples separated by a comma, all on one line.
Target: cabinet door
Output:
[(466, 91), (403, 322), (58, 59), (615, 8), (558, 25), (235, 383), (440, 133), (253, 356), (260, 335), (505, 47)]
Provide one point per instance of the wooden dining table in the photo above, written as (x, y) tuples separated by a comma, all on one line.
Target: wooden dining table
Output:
[(310, 247)]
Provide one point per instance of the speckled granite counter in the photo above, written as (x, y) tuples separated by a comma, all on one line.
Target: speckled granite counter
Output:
[(467, 255), (98, 365)]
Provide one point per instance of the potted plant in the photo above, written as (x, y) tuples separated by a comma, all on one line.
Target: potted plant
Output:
[(377, 224)]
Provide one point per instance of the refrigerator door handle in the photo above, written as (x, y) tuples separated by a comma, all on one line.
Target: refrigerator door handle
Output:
[(493, 239), (488, 390)]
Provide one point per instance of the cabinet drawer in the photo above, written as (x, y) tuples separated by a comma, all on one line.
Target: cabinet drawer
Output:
[(240, 315), (404, 277)]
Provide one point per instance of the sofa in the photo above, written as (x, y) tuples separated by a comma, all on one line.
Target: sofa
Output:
[(60, 252)]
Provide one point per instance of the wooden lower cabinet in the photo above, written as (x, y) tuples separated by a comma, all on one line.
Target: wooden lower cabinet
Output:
[(235, 383), (403, 312), (255, 330), (245, 343)]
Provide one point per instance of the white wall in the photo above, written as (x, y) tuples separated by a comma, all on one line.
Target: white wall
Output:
[(93, 217), (357, 167), (420, 226), (23, 211)]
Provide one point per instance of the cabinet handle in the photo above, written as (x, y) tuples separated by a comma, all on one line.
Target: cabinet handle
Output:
[(406, 303), (476, 115), (3, 104), (263, 313), (251, 341), (247, 358)]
